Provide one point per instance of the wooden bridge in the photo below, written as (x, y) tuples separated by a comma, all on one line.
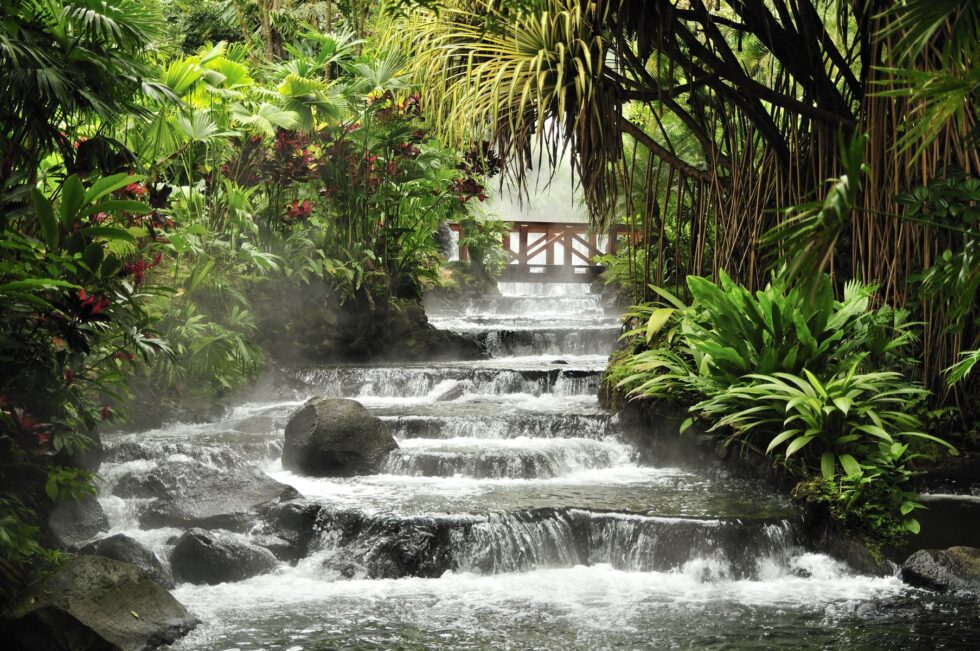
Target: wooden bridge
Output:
[(552, 251)]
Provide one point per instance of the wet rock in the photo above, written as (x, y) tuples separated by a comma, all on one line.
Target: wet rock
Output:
[(304, 323), (336, 437), (956, 568), (123, 548), (92, 602), (293, 522), (443, 236), (214, 557), (457, 391), (73, 522), (192, 494)]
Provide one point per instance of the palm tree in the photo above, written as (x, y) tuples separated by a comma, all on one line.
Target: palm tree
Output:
[(766, 89), (62, 61)]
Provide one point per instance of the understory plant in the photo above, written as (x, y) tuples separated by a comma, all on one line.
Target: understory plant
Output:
[(73, 323), (820, 382)]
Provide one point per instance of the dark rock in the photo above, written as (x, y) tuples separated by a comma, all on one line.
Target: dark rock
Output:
[(956, 568), (123, 548), (456, 392), (193, 494), (73, 522), (293, 522), (336, 437), (282, 548), (306, 323), (93, 602), (947, 521), (444, 238), (214, 557), (559, 361)]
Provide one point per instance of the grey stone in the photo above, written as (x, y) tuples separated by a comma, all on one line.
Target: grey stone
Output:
[(336, 437), (123, 548), (214, 557), (93, 602), (193, 494), (956, 568), (73, 522)]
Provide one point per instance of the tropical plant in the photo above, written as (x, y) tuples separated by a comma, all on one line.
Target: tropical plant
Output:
[(858, 428), (728, 332), (72, 324), (62, 61)]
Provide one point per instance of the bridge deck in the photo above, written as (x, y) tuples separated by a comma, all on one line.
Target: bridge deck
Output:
[(552, 251)]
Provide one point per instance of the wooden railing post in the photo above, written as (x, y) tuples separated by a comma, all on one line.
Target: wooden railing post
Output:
[(568, 244), (522, 246)]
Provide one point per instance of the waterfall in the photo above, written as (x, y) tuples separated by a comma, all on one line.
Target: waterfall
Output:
[(512, 515)]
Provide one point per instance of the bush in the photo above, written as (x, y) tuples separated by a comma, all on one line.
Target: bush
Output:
[(817, 377)]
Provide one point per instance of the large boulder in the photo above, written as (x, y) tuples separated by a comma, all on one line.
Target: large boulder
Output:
[(73, 522), (93, 602), (336, 437), (214, 557), (189, 493), (123, 548), (956, 568)]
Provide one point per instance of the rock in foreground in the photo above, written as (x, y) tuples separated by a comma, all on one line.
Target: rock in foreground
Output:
[(192, 494), (123, 548), (93, 602), (73, 522), (336, 437), (214, 557), (956, 568)]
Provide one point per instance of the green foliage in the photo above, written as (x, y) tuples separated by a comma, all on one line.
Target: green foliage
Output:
[(783, 371), (72, 321), (728, 332), (808, 236), (62, 60)]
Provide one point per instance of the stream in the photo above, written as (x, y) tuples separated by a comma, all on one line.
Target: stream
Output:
[(512, 516)]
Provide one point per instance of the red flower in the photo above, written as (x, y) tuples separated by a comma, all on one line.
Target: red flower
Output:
[(69, 376), (299, 210), (90, 306), (105, 411), (138, 269)]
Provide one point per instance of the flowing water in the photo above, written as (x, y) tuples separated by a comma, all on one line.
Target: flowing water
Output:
[(513, 517)]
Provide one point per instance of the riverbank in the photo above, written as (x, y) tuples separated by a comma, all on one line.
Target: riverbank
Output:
[(949, 489)]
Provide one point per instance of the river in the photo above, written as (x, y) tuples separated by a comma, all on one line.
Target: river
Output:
[(513, 516)]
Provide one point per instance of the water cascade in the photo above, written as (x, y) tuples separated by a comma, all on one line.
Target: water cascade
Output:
[(512, 516)]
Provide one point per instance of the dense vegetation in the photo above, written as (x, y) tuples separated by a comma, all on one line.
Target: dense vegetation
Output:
[(800, 174), (160, 166), (797, 179)]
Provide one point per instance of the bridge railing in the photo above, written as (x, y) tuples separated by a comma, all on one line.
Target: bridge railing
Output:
[(553, 251)]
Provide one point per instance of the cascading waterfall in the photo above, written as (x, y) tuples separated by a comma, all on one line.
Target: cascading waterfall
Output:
[(512, 516)]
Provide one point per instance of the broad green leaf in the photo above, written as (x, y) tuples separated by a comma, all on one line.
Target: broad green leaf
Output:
[(46, 221), (658, 318), (669, 297), (797, 445), (116, 206), (781, 438), (850, 465), (35, 283), (110, 184), (72, 199), (827, 465), (107, 232)]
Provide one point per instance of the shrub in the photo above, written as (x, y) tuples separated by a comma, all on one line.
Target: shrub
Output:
[(813, 376)]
